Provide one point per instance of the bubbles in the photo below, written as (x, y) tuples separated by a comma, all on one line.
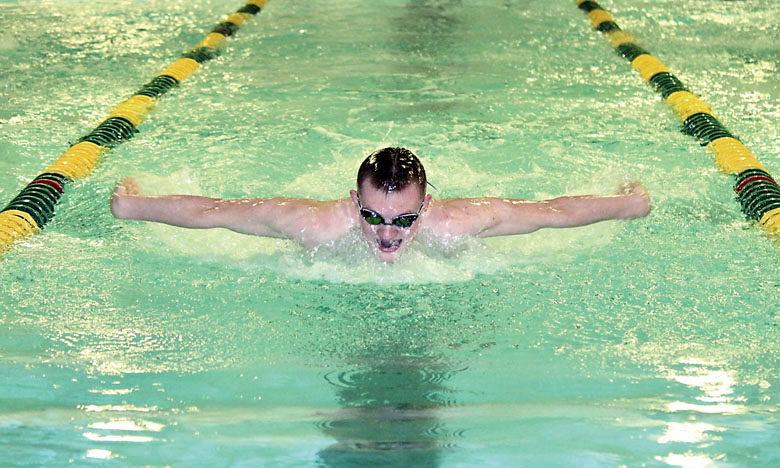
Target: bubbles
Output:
[(350, 260)]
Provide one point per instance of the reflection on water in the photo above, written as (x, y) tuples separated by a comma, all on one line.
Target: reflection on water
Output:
[(391, 381), (388, 415), (715, 401)]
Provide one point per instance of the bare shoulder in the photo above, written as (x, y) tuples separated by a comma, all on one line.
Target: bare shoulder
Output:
[(308, 222), (457, 216), (485, 216), (318, 222)]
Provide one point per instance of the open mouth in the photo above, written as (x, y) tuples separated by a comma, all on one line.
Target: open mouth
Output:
[(389, 246)]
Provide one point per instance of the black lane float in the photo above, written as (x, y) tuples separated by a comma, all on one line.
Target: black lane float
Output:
[(758, 193), (35, 205)]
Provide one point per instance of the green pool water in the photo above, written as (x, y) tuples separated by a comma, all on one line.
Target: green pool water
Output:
[(648, 343)]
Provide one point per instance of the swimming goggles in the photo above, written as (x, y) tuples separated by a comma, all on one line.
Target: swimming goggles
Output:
[(403, 220)]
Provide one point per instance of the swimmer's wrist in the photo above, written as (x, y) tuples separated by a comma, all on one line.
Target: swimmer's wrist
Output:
[(124, 205), (639, 204)]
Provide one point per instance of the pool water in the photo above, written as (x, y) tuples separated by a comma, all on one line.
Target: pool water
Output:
[(651, 342)]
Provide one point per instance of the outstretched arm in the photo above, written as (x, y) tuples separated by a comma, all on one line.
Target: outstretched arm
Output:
[(309, 222), (488, 217)]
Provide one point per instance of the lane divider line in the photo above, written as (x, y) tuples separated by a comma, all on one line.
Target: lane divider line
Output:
[(757, 191), (34, 206)]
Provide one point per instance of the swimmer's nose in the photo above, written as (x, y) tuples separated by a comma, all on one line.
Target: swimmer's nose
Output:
[(386, 231)]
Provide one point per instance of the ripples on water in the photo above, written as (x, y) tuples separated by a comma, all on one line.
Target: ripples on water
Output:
[(650, 342)]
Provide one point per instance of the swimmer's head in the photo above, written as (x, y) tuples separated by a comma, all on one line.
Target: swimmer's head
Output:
[(391, 194), (391, 169)]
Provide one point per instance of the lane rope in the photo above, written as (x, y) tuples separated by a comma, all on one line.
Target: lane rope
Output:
[(34, 206), (757, 191)]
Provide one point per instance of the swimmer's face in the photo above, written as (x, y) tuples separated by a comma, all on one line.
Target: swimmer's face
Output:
[(388, 240)]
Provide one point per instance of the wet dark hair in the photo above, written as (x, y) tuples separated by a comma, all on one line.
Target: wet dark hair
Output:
[(392, 169)]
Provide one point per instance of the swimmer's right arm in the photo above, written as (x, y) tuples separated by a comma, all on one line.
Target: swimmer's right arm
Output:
[(288, 218), (187, 211)]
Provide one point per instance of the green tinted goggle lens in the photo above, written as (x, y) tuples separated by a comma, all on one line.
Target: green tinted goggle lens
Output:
[(372, 219), (404, 220)]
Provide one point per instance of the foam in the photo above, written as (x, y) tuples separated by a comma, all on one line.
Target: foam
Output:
[(350, 260)]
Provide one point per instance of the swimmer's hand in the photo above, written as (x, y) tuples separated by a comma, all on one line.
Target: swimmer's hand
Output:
[(127, 187), (642, 204)]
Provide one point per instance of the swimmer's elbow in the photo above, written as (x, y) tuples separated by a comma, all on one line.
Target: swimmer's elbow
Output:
[(509, 227)]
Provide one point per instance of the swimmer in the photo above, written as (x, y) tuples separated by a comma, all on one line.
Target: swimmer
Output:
[(390, 205)]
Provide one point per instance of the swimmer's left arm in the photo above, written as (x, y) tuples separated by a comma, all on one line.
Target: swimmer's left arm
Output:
[(489, 217)]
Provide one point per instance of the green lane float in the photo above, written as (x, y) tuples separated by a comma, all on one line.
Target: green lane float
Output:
[(35, 205), (757, 192)]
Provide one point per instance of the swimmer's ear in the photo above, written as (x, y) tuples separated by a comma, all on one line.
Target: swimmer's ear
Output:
[(427, 201), (353, 193)]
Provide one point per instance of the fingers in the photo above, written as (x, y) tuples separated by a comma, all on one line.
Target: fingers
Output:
[(127, 187), (632, 188)]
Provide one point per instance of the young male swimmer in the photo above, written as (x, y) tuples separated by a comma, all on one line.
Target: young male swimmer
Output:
[(390, 206)]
